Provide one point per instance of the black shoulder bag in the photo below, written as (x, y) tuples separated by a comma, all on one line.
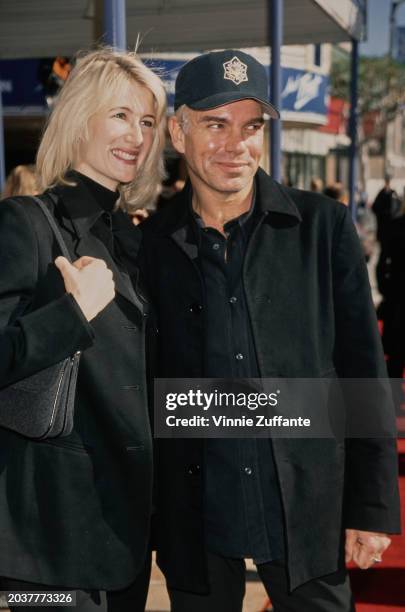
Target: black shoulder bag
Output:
[(42, 405)]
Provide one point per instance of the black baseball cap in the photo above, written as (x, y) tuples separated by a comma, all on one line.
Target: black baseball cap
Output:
[(222, 77)]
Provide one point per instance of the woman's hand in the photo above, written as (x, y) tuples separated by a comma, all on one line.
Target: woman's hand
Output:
[(89, 281)]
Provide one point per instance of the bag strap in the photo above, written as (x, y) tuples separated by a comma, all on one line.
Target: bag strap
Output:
[(54, 227)]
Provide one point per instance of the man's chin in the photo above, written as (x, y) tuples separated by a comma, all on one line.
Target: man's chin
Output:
[(233, 185)]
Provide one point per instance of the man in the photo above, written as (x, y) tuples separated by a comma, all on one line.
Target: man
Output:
[(386, 207), (252, 279)]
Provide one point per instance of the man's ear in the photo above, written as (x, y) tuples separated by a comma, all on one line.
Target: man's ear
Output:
[(176, 134)]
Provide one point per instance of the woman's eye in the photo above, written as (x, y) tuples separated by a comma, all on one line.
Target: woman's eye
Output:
[(147, 123), (120, 115)]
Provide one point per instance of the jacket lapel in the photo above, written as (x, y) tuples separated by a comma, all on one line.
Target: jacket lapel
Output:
[(81, 211), (185, 240), (92, 246), (179, 228)]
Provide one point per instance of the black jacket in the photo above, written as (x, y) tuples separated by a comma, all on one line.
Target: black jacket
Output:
[(312, 316), (386, 207), (74, 511)]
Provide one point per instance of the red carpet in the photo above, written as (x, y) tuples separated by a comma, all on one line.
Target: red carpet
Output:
[(382, 589)]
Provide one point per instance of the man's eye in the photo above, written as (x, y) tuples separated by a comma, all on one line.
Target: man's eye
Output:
[(254, 127), (215, 126)]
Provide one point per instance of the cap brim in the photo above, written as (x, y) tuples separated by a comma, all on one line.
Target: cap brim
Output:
[(233, 96)]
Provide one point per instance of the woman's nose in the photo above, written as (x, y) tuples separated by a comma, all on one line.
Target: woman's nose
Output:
[(134, 135)]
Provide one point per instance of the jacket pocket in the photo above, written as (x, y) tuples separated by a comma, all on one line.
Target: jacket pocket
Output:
[(68, 445), (134, 448)]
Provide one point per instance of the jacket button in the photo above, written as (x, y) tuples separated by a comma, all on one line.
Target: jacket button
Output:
[(193, 470), (196, 308)]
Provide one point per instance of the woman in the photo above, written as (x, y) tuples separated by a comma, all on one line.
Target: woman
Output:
[(75, 511)]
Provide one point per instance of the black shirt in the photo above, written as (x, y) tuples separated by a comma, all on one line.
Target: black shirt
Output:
[(242, 502), (105, 198), (113, 226)]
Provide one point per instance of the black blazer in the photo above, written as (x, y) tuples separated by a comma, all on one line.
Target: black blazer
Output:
[(309, 302), (74, 511)]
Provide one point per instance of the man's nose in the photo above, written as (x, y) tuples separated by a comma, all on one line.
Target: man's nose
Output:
[(235, 142)]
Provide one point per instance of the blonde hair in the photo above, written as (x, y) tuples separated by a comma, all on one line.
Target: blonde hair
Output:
[(22, 180), (89, 88)]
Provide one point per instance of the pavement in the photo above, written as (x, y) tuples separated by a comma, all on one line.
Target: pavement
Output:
[(255, 599)]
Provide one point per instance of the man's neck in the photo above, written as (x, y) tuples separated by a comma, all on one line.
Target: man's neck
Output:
[(217, 208)]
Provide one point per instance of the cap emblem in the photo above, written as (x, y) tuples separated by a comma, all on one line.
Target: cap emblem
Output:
[(235, 71)]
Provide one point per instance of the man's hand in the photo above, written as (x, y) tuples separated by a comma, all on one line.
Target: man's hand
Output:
[(89, 281), (365, 548), (139, 215)]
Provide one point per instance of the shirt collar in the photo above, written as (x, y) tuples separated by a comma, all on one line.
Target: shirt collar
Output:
[(104, 197), (271, 197), (197, 220), (80, 203)]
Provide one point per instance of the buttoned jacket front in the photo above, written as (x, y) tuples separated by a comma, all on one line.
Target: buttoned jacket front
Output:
[(74, 511), (311, 313)]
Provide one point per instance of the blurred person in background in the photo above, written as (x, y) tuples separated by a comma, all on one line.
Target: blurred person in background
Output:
[(386, 207), (75, 510), (336, 191), (22, 180), (174, 182), (391, 311), (316, 184), (366, 226)]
